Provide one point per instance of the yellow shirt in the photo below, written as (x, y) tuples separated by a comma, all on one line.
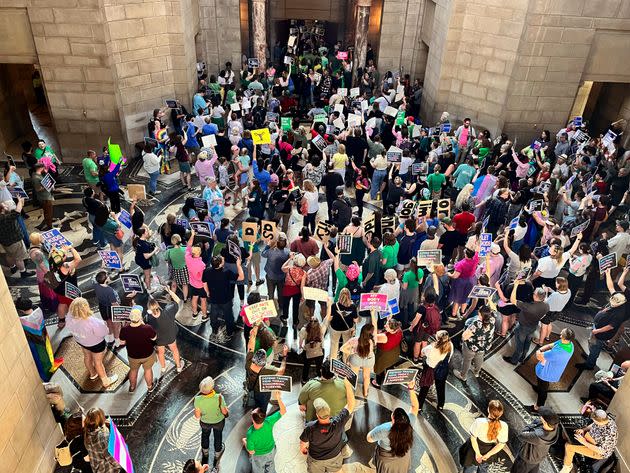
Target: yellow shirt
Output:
[(339, 161)]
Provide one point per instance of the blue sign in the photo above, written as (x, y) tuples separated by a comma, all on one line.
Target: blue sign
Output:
[(577, 121), (486, 244), (125, 218), (54, 239), (392, 305), (514, 222), (111, 259), (183, 222), (445, 127), (17, 192), (131, 283), (486, 221)]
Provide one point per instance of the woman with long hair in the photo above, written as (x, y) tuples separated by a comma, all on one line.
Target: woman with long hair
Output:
[(549, 266), (342, 324), (465, 198), (163, 322), (311, 340), (488, 436), (145, 251), (359, 242), (63, 272), (311, 204), (462, 280), (47, 297), (436, 358), (170, 228), (394, 439), (387, 352), (361, 186), (360, 352), (256, 200), (96, 436), (578, 266)]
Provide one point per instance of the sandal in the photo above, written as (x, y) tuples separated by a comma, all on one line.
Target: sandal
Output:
[(375, 384), (61, 324)]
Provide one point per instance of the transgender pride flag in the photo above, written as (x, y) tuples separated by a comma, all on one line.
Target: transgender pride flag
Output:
[(118, 448)]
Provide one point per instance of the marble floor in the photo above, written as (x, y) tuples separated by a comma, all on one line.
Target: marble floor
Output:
[(160, 428)]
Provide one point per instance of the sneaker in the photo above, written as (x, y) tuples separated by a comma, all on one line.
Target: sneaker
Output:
[(151, 388), (112, 379), (26, 274), (180, 368), (118, 343), (13, 269), (458, 374), (195, 315), (157, 192), (204, 318), (94, 377)]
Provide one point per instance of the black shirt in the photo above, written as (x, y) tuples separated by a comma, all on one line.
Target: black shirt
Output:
[(223, 146), (218, 281), (449, 241), (342, 212), (325, 441), (611, 316), (343, 317), (281, 201), (331, 181), (98, 209)]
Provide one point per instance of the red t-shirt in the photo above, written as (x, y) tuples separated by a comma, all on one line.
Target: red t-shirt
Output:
[(393, 340), (463, 221)]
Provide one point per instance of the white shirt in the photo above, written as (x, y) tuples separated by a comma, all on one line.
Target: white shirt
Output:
[(312, 201), (620, 244), (479, 429), (150, 162), (405, 164), (557, 300), (430, 244), (392, 290), (548, 267), (433, 355)]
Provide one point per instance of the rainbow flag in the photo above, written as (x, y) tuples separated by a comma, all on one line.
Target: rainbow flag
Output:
[(118, 448)]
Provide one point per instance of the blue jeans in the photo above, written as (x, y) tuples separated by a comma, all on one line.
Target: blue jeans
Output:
[(263, 463), (25, 237), (595, 347), (261, 400), (153, 177), (523, 335), (97, 233), (377, 179)]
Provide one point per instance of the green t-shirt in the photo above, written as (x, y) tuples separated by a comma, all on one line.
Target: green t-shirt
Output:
[(410, 280), (177, 257), (342, 281), (89, 166), (261, 440), (390, 253), (435, 181), (210, 407), (333, 390)]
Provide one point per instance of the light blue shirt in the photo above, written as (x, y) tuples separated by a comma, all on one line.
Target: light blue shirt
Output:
[(380, 433), (463, 175), (199, 103)]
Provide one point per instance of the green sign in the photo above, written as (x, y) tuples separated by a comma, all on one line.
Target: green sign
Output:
[(400, 118), (321, 117), (285, 123)]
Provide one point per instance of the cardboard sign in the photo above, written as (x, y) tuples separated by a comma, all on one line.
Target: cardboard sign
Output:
[(235, 107), (407, 209), (536, 205), (388, 223), (481, 292), (423, 208), (260, 311), (580, 228), (136, 191), (250, 230), (391, 111), (400, 376), (261, 136), (354, 92), (607, 262), (131, 283), (71, 291), (342, 91), (373, 301), (268, 229), (319, 142), (209, 141), (344, 371), (339, 124), (285, 123), (393, 308), (111, 259), (274, 382), (369, 224), (486, 244), (371, 123), (54, 239), (394, 154), (364, 105), (315, 294), (288, 60), (233, 249), (426, 257), (443, 206), (322, 231), (18, 192), (253, 62), (419, 169), (120, 313), (344, 244), (201, 228), (48, 182)]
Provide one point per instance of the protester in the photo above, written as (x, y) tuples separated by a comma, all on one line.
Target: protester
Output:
[(259, 441), (536, 438), (488, 437)]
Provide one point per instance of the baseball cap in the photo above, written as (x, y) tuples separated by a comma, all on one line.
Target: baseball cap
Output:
[(623, 224), (322, 409), (260, 358), (447, 221)]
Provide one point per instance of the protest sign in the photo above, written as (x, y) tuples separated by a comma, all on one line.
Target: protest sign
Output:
[(54, 239), (486, 221), (394, 155), (417, 130), (120, 313), (319, 142), (136, 191), (182, 222), (374, 301), (48, 182), (339, 124), (344, 371), (580, 228), (391, 111), (234, 107), (171, 103), (200, 204), (536, 205), (426, 257), (285, 123), (514, 222), (486, 244), (316, 78), (567, 185), (209, 141), (424, 208), (371, 123), (607, 262), (201, 229), (253, 62), (288, 60), (18, 192), (250, 230), (71, 291), (272, 117), (344, 244), (339, 108), (268, 229), (393, 308), (400, 118), (260, 310), (419, 169), (261, 136), (315, 294), (342, 91), (274, 382), (354, 120), (445, 127), (577, 121), (481, 292), (364, 105), (320, 118), (233, 249), (322, 230), (124, 218), (407, 209), (609, 138), (342, 55), (536, 145), (354, 92), (523, 273), (443, 206), (369, 224), (131, 283), (110, 258), (400, 376), (388, 223)]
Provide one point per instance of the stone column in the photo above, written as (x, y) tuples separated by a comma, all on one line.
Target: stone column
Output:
[(362, 26), (259, 31)]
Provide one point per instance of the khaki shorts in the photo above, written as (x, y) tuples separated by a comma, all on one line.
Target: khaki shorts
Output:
[(147, 363), (17, 251), (332, 465)]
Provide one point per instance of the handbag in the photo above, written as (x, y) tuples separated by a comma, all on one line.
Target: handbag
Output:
[(221, 406), (62, 452), (441, 369)]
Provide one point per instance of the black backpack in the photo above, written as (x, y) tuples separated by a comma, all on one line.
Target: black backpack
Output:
[(355, 290)]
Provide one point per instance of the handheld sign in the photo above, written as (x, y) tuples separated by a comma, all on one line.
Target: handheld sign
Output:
[(426, 257), (274, 382), (315, 294), (419, 169), (322, 231), (607, 262), (252, 62), (388, 224), (261, 136), (285, 123), (48, 182), (342, 55), (354, 120), (481, 292), (394, 155), (393, 308), (536, 205), (234, 107), (131, 283), (580, 228), (342, 91), (407, 209), (200, 204), (120, 313), (443, 206), (577, 121), (391, 111), (124, 218), (342, 370), (267, 229), (344, 244), (260, 310), (486, 244), (71, 291), (486, 221), (400, 376), (183, 223), (609, 138), (514, 222), (209, 141), (272, 117), (320, 118), (136, 191), (111, 259), (373, 301), (445, 127), (233, 249), (288, 60), (523, 273), (338, 123), (249, 231), (423, 208), (201, 229), (54, 239), (369, 224), (354, 92), (17, 192), (319, 142), (567, 185)]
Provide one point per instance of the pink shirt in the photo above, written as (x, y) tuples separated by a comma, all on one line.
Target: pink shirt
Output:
[(87, 332), (463, 136), (466, 267), (205, 168), (195, 269)]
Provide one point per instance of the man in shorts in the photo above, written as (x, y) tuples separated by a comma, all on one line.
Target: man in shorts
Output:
[(11, 238)]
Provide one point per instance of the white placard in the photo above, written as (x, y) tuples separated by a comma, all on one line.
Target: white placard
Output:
[(391, 111), (338, 123), (235, 107), (343, 92), (209, 141), (354, 92), (339, 108)]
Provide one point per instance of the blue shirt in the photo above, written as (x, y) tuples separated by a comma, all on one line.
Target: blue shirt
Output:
[(191, 141), (199, 103), (463, 175), (380, 433), (209, 129), (263, 177), (110, 179), (556, 360)]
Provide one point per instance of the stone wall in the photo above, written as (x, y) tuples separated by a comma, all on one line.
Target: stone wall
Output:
[(220, 33), (29, 433), (15, 82)]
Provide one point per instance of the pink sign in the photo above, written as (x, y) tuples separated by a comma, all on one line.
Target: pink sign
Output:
[(373, 301), (342, 55)]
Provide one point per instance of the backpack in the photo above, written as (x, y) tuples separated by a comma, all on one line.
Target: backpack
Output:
[(432, 320), (355, 290)]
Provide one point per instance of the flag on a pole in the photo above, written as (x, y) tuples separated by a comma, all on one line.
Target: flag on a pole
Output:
[(118, 448)]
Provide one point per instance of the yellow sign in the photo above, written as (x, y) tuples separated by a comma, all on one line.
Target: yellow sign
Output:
[(261, 137), (315, 294)]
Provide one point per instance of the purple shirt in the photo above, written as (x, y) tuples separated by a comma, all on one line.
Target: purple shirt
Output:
[(87, 332), (466, 267)]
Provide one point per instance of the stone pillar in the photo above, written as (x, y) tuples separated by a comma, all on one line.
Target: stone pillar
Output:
[(362, 25), (259, 31)]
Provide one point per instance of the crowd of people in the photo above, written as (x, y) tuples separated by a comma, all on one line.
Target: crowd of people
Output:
[(395, 190)]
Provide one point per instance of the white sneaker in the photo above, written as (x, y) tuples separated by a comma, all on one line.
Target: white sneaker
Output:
[(180, 368), (117, 343), (566, 469), (112, 379)]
